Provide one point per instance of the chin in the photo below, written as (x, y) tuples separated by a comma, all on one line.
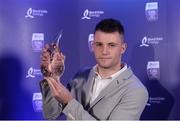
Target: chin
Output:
[(104, 66)]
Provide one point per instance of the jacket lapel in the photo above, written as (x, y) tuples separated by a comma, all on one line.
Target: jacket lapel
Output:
[(88, 87), (112, 86)]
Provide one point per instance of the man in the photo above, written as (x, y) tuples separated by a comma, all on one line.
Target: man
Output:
[(107, 91)]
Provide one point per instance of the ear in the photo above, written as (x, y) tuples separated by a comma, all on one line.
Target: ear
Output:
[(123, 48), (91, 47)]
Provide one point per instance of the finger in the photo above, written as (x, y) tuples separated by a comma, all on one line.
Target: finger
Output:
[(53, 81), (57, 85), (50, 82)]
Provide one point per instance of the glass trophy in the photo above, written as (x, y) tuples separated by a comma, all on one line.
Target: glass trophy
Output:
[(58, 69)]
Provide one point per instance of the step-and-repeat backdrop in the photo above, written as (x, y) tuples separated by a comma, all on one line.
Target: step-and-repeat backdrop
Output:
[(152, 30)]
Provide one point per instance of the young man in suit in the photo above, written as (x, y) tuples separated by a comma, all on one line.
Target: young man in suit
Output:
[(107, 91)]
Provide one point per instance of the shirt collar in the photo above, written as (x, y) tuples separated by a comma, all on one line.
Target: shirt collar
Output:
[(113, 76)]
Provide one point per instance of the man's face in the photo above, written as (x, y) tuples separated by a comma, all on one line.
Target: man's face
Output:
[(108, 49)]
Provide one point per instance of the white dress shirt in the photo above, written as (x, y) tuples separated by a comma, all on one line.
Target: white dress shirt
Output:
[(100, 83)]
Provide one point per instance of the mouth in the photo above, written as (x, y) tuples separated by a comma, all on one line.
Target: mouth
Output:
[(104, 58)]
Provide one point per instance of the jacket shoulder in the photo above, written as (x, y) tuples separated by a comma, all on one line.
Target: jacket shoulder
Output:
[(80, 78), (83, 73)]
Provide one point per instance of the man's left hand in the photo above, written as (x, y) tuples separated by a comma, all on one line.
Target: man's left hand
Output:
[(60, 92)]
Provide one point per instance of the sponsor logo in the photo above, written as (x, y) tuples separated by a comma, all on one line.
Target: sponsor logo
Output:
[(146, 41), (90, 40), (37, 42), (37, 102), (153, 64), (87, 14), (155, 100), (32, 73), (151, 11), (153, 70), (31, 13)]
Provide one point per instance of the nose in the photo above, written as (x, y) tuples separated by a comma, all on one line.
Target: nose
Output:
[(105, 49)]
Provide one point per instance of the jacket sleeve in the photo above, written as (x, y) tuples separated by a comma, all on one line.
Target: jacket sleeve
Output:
[(75, 111), (51, 107)]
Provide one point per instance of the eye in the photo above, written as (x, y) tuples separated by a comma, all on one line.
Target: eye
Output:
[(112, 45), (98, 44)]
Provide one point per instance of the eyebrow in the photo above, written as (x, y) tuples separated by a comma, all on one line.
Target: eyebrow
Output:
[(109, 43)]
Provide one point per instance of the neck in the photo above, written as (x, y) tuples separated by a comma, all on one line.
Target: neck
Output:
[(107, 72)]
